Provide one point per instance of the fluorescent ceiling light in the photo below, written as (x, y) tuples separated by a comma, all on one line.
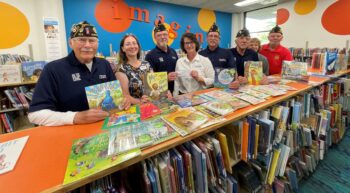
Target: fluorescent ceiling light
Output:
[(246, 3)]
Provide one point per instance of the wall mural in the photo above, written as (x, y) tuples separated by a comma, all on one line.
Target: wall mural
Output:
[(14, 26), (114, 18), (335, 18)]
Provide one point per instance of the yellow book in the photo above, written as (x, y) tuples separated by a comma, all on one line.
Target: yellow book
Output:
[(225, 152), (257, 127), (274, 161)]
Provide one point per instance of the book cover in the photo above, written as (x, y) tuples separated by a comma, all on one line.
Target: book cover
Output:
[(184, 100), (149, 110), (250, 99), (224, 76), (107, 96), (331, 58), (132, 115), (253, 71), (10, 151), (31, 70), (294, 70), (185, 120), (89, 155), (218, 107), (159, 130), (10, 74), (156, 85)]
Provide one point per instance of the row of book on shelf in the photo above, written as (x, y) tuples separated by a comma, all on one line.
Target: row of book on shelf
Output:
[(276, 147), (27, 71)]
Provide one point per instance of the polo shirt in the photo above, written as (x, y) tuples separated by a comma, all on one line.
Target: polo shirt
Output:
[(220, 57), (275, 57), (61, 86), (163, 62), (249, 55)]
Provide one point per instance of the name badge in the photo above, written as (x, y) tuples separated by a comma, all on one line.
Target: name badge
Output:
[(103, 76), (222, 59), (161, 59), (143, 67), (76, 77), (173, 57)]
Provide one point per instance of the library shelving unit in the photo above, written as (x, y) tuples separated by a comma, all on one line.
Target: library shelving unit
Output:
[(42, 164), (20, 120)]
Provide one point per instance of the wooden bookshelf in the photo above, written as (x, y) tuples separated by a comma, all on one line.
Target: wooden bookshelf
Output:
[(42, 165), (17, 84)]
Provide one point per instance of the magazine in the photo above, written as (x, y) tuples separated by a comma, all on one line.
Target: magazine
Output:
[(10, 152), (89, 155), (186, 120), (156, 85), (294, 70), (132, 115), (224, 76), (253, 71), (107, 96)]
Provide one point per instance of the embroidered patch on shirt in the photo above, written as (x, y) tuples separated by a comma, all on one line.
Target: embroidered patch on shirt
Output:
[(161, 59), (76, 77), (173, 57), (103, 76), (222, 59)]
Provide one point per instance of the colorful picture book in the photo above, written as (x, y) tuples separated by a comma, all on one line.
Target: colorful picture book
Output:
[(89, 155), (107, 96), (219, 107), (149, 110), (253, 71), (10, 152), (132, 115), (331, 58), (184, 100), (31, 70), (250, 99), (237, 103), (294, 70), (224, 76), (10, 74), (186, 120), (156, 85), (256, 94)]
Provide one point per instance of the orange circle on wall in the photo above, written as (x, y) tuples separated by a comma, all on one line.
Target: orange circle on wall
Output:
[(14, 26), (113, 16), (206, 18), (282, 16), (335, 18), (303, 7)]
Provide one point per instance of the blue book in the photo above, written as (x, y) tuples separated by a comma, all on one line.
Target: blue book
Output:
[(296, 113), (292, 177), (234, 183), (180, 169), (152, 179), (32, 70), (198, 173)]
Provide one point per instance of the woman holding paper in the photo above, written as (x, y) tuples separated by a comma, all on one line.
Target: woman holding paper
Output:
[(195, 72)]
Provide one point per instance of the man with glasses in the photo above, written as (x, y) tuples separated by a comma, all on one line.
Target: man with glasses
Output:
[(219, 57), (163, 58), (59, 97), (275, 52)]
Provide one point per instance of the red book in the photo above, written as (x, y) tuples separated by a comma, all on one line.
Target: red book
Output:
[(148, 110)]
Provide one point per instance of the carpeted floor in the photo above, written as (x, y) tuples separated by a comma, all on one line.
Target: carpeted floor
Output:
[(332, 175)]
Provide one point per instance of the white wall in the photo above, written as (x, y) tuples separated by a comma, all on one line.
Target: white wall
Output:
[(237, 24), (35, 10), (301, 28)]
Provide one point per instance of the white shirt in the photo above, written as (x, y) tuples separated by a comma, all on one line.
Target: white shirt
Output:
[(185, 83)]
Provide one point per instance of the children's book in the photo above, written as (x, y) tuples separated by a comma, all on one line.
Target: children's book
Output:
[(184, 100), (197, 100), (250, 99), (159, 130), (132, 115), (256, 94), (210, 114), (224, 76), (294, 70), (166, 106), (10, 74), (269, 90), (31, 70), (89, 155), (10, 152), (218, 95), (331, 58), (149, 110), (253, 71), (186, 120), (237, 103), (156, 85), (218, 107), (107, 96)]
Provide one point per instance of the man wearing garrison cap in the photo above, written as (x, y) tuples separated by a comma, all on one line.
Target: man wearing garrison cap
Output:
[(275, 52), (163, 58), (59, 97), (241, 53), (219, 57)]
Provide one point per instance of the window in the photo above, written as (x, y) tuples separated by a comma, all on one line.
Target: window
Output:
[(260, 22)]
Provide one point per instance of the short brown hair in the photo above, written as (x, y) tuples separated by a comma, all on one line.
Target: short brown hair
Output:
[(190, 36), (256, 40)]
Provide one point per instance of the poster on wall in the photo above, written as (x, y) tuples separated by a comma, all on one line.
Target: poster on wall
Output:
[(52, 39)]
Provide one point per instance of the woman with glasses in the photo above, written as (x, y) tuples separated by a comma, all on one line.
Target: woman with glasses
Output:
[(195, 72), (131, 71)]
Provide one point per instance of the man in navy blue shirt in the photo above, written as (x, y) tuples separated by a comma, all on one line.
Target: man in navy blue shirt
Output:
[(163, 58), (59, 97), (219, 57), (241, 53)]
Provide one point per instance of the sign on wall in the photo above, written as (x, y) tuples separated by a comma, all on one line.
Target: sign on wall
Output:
[(52, 39), (115, 18)]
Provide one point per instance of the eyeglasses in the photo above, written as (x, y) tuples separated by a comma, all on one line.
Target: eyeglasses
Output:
[(83, 41), (188, 43)]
